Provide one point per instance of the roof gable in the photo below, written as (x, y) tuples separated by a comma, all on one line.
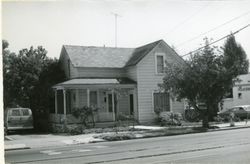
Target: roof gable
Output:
[(141, 52)]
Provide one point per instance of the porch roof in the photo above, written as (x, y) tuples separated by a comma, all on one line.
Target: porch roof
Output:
[(96, 82)]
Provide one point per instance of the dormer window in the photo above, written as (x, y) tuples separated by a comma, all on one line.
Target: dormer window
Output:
[(159, 61)]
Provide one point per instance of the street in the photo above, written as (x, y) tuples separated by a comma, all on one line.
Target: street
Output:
[(228, 146)]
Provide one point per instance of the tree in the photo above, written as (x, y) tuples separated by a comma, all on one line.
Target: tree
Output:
[(204, 78), (9, 59), (235, 61), (28, 78)]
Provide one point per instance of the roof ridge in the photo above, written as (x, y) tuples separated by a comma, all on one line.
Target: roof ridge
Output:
[(99, 47)]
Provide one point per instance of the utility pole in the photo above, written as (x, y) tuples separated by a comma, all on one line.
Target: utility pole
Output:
[(116, 15)]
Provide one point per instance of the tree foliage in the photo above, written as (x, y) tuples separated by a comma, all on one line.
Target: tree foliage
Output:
[(28, 78), (206, 77)]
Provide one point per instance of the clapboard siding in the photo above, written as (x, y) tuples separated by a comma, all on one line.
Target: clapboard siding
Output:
[(82, 97), (100, 72), (131, 72), (148, 80), (66, 65), (123, 104), (178, 106)]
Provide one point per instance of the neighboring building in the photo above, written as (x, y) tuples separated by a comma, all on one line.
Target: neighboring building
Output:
[(241, 93), (116, 80)]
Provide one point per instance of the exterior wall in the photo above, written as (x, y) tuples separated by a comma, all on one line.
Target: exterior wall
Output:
[(66, 65), (147, 83), (131, 72), (178, 106), (103, 113), (100, 72), (82, 97), (227, 103), (242, 87)]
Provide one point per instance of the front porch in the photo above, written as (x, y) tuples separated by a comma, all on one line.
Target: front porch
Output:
[(112, 97)]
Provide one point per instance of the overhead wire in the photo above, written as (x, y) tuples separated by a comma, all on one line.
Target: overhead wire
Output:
[(217, 40), (187, 19), (213, 29)]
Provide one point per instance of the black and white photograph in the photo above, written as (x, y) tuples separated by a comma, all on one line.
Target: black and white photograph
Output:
[(125, 81)]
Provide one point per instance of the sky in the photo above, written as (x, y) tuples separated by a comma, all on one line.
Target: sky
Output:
[(180, 23)]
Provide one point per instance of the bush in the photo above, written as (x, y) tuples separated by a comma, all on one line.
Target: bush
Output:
[(117, 137), (219, 119), (192, 115), (85, 113), (170, 118)]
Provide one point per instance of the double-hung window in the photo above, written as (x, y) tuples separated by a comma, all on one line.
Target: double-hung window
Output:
[(161, 101), (159, 62)]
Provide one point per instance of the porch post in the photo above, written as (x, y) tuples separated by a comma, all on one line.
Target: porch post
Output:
[(88, 97), (113, 105), (55, 101), (64, 104), (170, 103)]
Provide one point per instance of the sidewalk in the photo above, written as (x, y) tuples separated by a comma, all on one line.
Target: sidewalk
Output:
[(16, 142)]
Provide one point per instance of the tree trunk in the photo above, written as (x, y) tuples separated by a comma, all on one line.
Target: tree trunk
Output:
[(205, 123)]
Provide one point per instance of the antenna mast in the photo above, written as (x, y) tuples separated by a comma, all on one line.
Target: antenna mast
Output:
[(116, 15)]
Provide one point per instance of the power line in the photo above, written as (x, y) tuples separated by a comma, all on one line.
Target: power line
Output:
[(213, 29), (188, 18), (217, 40)]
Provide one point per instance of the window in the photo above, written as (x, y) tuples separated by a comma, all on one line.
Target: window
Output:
[(25, 112), (131, 103), (159, 63), (93, 98), (15, 112), (161, 102)]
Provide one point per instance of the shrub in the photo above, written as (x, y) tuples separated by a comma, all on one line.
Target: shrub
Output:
[(192, 115), (85, 113), (218, 119), (170, 118), (117, 137)]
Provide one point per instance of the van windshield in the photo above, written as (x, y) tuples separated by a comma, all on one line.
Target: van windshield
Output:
[(15, 112)]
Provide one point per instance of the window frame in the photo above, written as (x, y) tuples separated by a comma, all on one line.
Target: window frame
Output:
[(97, 97), (153, 103), (156, 63)]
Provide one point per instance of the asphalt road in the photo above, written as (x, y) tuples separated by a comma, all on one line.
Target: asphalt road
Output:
[(229, 146)]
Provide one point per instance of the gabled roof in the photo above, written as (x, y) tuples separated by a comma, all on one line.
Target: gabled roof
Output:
[(82, 56), (140, 52), (107, 57)]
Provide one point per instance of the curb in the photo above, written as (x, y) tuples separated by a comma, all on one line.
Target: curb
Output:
[(15, 147), (229, 128)]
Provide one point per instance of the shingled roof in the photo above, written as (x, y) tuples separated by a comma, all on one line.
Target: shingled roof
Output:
[(140, 52), (107, 57), (82, 56)]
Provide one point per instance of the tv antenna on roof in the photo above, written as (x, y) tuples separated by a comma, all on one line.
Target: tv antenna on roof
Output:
[(116, 15)]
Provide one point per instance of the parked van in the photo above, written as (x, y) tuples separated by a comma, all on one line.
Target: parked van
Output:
[(18, 119)]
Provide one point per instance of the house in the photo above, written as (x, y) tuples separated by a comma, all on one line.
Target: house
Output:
[(241, 93), (116, 80)]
